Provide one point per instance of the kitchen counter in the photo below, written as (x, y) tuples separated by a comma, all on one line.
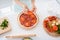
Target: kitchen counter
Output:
[(44, 9)]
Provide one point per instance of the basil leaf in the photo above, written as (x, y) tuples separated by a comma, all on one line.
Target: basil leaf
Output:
[(58, 31), (4, 24)]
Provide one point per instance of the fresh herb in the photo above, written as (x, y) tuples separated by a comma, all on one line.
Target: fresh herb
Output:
[(4, 24), (58, 31)]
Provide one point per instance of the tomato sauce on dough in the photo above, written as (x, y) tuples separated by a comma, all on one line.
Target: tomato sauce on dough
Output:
[(28, 19)]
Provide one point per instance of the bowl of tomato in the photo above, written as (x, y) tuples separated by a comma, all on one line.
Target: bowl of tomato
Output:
[(52, 25), (27, 20)]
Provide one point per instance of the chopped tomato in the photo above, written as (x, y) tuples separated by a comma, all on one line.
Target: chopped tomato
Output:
[(22, 18), (30, 13), (55, 28), (33, 21), (27, 24), (32, 16), (45, 23), (52, 18)]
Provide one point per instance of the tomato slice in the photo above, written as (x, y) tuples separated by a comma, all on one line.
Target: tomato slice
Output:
[(27, 24), (33, 21), (32, 16), (22, 18), (45, 23), (52, 18), (55, 28), (30, 13)]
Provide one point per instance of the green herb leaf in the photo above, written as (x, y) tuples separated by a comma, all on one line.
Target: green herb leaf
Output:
[(4, 24), (58, 31)]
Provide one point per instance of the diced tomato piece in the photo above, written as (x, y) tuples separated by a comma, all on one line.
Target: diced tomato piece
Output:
[(22, 18), (32, 16), (30, 13), (45, 23), (55, 28), (27, 24), (33, 21), (52, 18)]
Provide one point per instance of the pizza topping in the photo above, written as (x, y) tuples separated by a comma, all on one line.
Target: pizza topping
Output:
[(28, 19), (30, 13), (33, 21), (32, 16), (52, 18), (27, 24), (4, 24), (55, 28), (22, 19), (52, 24)]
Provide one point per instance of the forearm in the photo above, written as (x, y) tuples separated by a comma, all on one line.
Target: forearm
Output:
[(33, 5), (33, 2), (21, 4)]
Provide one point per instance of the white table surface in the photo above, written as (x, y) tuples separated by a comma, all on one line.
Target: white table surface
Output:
[(43, 6)]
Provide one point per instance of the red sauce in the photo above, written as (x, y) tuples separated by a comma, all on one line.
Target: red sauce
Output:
[(28, 19)]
